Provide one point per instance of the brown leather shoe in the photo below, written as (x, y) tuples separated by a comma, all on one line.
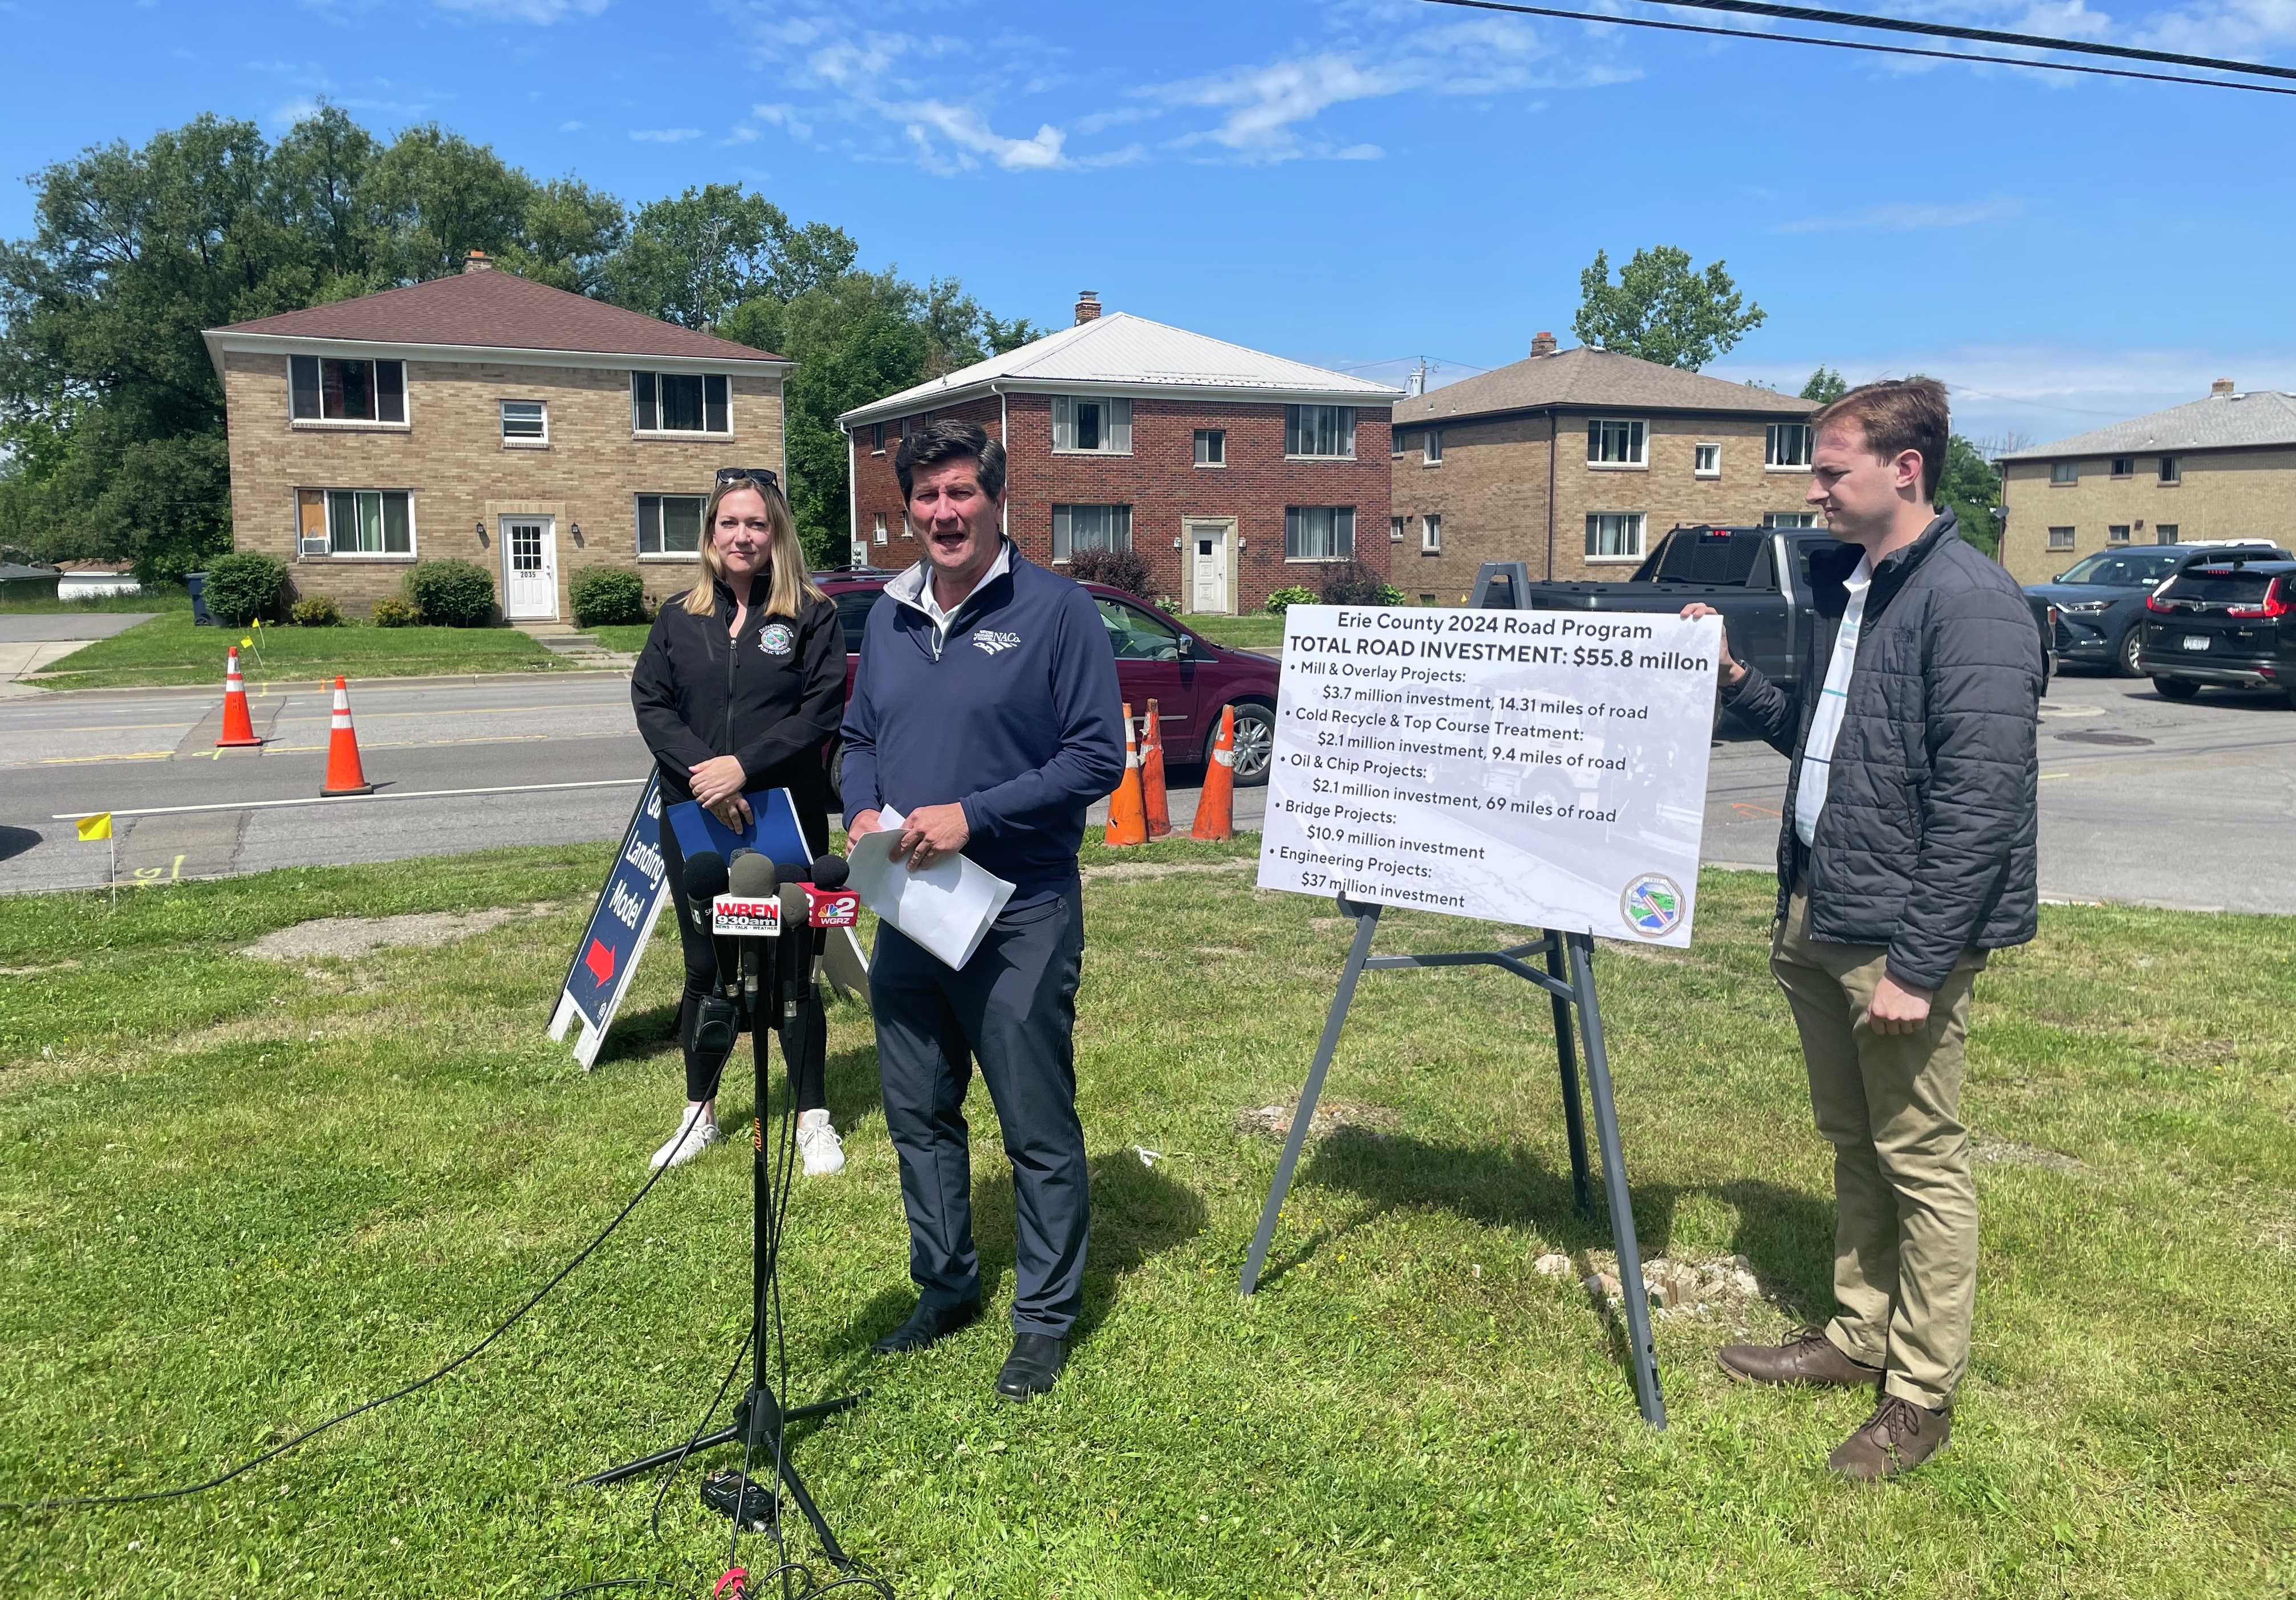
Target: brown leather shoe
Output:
[(1897, 1438), (1808, 1357)]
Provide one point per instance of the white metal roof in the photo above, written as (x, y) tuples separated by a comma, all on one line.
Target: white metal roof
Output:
[(2259, 417), (1120, 351)]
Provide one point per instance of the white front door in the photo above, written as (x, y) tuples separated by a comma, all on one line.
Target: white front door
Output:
[(529, 568), (1208, 565)]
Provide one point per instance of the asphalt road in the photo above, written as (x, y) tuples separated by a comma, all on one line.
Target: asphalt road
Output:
[(2142, 800)]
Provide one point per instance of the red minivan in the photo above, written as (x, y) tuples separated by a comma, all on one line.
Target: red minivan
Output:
[(1158, 659)]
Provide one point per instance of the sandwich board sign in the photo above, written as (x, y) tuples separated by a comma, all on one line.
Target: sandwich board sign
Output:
[(621, 922)]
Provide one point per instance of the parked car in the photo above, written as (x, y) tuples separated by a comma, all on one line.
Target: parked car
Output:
[(2230, 622), (2100, 598), (1757, 577), (1190, 678)]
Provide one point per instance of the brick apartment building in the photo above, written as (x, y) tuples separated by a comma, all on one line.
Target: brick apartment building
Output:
[(2222, 467), (533, 431), (1575, 460), (1232, 473)]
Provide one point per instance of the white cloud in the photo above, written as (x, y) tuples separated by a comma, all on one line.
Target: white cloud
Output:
[(540, 13), (570, 127), (739, 136), (2243, 28), (665, 135), (294, 111), (965, 128), (784, 117), (1903, 218), (1360, 153)]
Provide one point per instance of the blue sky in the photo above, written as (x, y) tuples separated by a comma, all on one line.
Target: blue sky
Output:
[(1358, 182)]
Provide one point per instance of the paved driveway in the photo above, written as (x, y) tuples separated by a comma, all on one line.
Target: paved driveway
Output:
[(32, 640)]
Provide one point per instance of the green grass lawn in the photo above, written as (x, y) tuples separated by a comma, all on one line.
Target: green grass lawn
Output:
[(170, 650), (238, 1194), (165, 598), (628, 637), (1257, 630)]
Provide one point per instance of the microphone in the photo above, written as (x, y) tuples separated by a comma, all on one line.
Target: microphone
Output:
[(828, 872), (705, 881), (755, 879), (828, 903), (716, 1023)]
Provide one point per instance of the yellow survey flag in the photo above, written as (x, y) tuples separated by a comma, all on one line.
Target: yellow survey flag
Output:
[(97, 826)]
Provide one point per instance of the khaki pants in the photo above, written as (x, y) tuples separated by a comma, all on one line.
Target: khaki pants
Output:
[(1904, 1240)]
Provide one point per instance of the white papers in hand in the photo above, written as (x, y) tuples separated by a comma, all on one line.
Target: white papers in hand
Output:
[(946, 907)]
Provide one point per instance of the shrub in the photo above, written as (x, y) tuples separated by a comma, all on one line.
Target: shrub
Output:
[(1291, 594), (393, 612), (606, 596), (317, 611), (1118, 569), (245, 585), (1353, 583), (452, 593)]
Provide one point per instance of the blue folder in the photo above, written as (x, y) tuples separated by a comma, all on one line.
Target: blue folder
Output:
[(773, 832)]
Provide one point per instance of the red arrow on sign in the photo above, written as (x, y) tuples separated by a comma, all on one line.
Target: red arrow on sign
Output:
[(599, 960)]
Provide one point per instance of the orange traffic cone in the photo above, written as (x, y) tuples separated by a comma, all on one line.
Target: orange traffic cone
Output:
[(1216, 805), (344, 775), (238, 727), (1152, 778), (1128, 818)]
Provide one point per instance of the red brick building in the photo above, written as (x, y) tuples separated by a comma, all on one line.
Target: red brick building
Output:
[(1233, 473)]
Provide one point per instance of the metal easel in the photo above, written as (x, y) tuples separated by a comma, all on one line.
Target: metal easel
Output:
[(1568, 980)]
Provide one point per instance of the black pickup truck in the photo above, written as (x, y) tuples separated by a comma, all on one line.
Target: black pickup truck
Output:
[(1757, 577)]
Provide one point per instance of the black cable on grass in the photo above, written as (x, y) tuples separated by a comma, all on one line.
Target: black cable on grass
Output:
[(1849, 18), (82, 1502)]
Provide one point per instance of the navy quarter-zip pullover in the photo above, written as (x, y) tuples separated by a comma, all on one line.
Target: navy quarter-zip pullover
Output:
[(1014, 711)]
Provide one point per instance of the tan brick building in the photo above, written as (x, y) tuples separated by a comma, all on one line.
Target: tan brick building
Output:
[(1480, 476), (532, 431), (1232, 473), (2222, 467)]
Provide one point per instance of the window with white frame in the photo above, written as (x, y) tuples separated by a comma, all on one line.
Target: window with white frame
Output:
[(876, 438), (1706, 460), (1431, 453), (2124, 466), (355, 522), (1786, 446), (670, 524), (2164, 533), (1211, 446), (1397, 441), (524, 424), (1327, 431), (2064, 472), (1092, 426), (1077, 527), (679, 403), (1394, 526), (2172, 470), (1319, 533), (1614, 535), (1431, 536), (877, 531), (324, 389), (2116, 532), (2061, 538), (1789, 518), (1617, 442)]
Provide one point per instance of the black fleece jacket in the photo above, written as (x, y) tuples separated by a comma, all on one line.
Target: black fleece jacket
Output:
[(772, 698), (1928, 841)]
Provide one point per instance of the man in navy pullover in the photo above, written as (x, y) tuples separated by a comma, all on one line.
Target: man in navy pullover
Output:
[(985, 711)]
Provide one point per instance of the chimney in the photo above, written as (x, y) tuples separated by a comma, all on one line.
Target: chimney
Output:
[(1087, 307), (2222, 387), (1543, 344), (477, 262)]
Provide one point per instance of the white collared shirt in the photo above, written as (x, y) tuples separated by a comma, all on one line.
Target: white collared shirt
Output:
[(930, 603), (1833, 702)]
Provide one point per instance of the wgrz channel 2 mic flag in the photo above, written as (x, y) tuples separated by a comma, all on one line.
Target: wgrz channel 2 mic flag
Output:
[(638, 887)]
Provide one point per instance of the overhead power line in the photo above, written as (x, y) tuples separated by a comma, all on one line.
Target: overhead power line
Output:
[(1936, 29)]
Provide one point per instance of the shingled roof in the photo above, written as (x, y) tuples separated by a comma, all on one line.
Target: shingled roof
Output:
[(2258, 418), (494, 310), (1588, 378)]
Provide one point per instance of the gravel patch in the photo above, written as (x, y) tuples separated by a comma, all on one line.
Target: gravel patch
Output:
[(347, 938)]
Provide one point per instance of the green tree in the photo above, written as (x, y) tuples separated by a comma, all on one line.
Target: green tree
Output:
[(442, 197), (1970, 486), (1662, 310), (1825, 387), (690, 259), (571, 235)]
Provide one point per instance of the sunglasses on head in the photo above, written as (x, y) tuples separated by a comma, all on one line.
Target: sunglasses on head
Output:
[(760, 476)]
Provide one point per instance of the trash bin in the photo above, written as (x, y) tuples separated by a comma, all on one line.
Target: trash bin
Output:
[(197, 582)]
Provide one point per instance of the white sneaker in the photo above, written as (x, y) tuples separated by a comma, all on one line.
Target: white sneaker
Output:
[(817, 1142), (687, 1143)]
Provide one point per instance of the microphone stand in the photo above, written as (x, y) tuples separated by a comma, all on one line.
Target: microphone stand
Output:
[(760, 1420)]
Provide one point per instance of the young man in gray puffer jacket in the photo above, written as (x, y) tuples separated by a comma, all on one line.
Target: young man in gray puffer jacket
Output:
[(1907, 853)]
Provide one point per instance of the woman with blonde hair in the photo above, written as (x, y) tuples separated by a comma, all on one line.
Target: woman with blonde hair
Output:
[(740, 683)]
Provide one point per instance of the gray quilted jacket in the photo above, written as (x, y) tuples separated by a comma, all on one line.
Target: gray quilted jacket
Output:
[(1927, 842)]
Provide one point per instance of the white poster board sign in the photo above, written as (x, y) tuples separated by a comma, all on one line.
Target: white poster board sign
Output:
[(1540, 768)]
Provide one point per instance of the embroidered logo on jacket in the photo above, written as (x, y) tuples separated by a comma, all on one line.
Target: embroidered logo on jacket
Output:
[(776, 638), (993, 641)]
